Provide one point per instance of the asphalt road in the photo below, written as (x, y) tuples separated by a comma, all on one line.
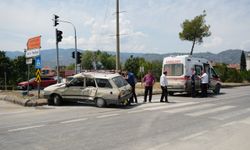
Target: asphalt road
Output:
[(220, 122)]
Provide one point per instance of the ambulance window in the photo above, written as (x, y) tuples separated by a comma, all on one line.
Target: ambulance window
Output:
[(174, 69), (198, 70)]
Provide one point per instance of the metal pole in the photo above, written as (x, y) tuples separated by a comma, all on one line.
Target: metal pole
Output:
[(75, 50), (5, 80), (57, 59), (28, 87), (117, 37), (75, 42)]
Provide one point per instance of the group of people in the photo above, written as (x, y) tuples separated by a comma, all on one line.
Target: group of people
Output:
[(204, 83), (149, 80)]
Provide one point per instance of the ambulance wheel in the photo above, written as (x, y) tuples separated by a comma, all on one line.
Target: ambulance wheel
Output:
[(171, 93), (217, 89)]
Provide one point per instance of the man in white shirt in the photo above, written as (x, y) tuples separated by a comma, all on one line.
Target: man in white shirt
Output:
[(204, 84), (164, 88)]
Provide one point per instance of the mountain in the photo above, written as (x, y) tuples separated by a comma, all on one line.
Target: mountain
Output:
[(48, 56)]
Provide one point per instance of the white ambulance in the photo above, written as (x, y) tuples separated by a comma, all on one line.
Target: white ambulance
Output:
[(179, 70)]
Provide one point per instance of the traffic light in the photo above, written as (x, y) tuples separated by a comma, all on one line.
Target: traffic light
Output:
[(58, 36), (78, 58), (56, 20), (73, 54)]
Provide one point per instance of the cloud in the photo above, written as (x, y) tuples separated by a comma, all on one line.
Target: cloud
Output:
[(245, 45), (213, 42)]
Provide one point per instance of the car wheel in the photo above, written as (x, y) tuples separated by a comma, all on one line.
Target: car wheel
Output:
[(217, 89), (50, 101), (57, 100), (100, 102)]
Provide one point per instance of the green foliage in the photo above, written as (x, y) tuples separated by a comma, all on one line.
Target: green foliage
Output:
[(231, 75), (103, 60), (243, 64), (133, 64), (194, 30), (70, 67), (16, 69)]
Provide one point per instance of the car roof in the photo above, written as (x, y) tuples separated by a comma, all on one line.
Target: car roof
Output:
[(105, 75)]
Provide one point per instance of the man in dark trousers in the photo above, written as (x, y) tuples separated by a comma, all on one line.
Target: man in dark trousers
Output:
[(164, 87), (204, 83), (132, 81), (148, 81), (193, 76)]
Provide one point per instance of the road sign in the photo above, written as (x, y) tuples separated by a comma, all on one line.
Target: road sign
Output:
[(38, 63), (32, 53), (38, 77), (28, 61)]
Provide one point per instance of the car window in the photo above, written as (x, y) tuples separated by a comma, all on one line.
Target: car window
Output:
[(103, 83), (90, 82), (77, 82), (120, 81)]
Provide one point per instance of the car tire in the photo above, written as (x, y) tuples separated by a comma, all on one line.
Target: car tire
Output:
[(100, 102), (217, 89), (57, 100), (50, 101)]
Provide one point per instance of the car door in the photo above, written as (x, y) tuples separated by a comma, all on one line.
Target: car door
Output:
[(73, 90), (89, 90)]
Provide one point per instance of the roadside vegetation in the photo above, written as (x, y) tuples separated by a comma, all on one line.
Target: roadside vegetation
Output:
[(15, 70)]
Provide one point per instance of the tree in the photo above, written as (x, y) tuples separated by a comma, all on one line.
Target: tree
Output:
[(97, 60), (194, 30), (5, 68), (243, 64)]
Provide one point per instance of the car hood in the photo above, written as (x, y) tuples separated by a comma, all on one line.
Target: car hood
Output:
[(55, 86)]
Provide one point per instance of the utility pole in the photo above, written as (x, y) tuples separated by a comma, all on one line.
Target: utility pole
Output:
[(117, 37)]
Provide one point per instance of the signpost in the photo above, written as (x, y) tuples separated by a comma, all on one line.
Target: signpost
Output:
[(33, 50)]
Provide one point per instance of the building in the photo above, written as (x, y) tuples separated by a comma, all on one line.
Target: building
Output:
[(247, 54)]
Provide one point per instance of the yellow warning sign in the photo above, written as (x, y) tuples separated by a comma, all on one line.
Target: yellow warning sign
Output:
[(38, 77), (38, 72)]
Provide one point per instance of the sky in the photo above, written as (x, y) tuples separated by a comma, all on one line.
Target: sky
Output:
[(146, 26)]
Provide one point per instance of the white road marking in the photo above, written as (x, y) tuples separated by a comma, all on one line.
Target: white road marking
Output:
[(135, 111), (148, 105), (74, 120), (199, 106), (246, 121), (194, 135), (229, 124), (16, 112), (211, 110), (167, 105), (25, 128), (108, 115), (231, 114)]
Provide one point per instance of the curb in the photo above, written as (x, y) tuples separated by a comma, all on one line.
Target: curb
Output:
[(24, 102)]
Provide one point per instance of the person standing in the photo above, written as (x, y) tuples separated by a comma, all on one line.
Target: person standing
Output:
[(132, 81), (204, 83), (148, 81), (164, 87), (193, 76)]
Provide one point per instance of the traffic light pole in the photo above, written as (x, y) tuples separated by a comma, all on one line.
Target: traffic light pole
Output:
[(57, 59), (75, 42)]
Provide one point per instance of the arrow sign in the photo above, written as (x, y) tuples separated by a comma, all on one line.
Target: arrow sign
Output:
[(38, 79), (38, 72)]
